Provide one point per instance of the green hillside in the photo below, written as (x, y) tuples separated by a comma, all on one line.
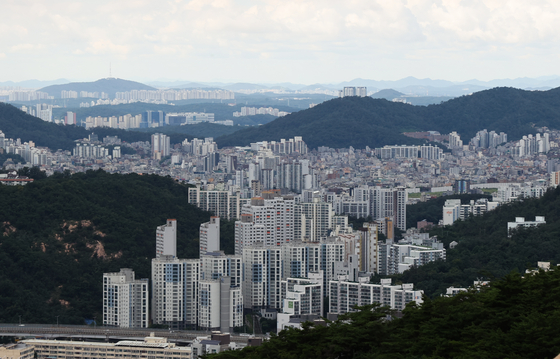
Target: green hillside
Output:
[(360, 122), (514, 317), (60, 234), (108, 85), (484, 249)]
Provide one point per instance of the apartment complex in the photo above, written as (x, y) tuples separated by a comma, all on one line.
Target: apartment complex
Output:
[(345, 296)]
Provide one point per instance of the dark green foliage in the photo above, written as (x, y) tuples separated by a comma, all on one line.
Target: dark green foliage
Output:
[(432, 210), (33, 172), (361, 122), (17, 124), (484, 249), (59, 235), (513, 317), (15, 158), (268, 325), (344, 122)]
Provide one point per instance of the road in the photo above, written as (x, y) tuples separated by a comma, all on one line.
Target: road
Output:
[(103, 333)]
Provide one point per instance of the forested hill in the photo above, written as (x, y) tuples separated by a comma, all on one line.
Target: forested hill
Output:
[(109, 85), (484, 249), (514, 317), (60, 234), (360, 122)]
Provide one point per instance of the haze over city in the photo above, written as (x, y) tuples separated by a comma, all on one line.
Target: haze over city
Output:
[(271, 41), (364, 179)]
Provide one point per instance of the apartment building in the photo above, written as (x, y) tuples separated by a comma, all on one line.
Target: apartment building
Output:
[(125, 300)]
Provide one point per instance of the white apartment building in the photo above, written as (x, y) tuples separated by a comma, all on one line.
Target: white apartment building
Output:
[(220, 305), (454, 210), (262, 273), (344, 296), (267, 221), (209, 238), (222, 203), (401, 257), (515, 191), (175, 291), (125, 300), (300, 258), (332, 252), (214, 265), (313, 220), (303, 295), (166, 239)]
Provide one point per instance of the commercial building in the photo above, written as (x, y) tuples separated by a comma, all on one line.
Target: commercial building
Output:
[(152, 347), (125, 300), (17, 351)]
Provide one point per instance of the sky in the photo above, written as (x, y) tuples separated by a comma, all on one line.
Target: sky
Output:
[(274, 41)]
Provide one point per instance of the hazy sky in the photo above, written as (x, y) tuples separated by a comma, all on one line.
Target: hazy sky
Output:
[(299, 41)]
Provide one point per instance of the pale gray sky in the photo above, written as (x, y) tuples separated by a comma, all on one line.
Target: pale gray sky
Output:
[(299, 41)]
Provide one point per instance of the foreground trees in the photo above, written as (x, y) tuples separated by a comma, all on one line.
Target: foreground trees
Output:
[(515, 317)]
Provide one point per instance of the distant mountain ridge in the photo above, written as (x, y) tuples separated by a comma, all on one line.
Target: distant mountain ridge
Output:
[(361, 122), (108, 85)]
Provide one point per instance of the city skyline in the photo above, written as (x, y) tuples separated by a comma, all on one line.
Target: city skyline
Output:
[(270, 41)]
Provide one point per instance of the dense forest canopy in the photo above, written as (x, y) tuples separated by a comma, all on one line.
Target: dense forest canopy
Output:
[(514, 317), (61, 233), (485, 251)]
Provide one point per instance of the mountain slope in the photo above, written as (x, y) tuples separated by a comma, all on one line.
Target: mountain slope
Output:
[(360, 122), (109, 85), (60, 234), (485, 250), (343, 122)]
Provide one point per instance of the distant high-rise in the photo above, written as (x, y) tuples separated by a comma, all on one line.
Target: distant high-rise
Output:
[(70, 118), (353, 91), (160, 145), (166, 239)]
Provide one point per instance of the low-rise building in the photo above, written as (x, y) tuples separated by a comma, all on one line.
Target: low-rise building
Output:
[(345, 296), (521, 222), (17, 351), (152, 347)]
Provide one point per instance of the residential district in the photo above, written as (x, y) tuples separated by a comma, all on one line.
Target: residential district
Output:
[(294, 246)]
